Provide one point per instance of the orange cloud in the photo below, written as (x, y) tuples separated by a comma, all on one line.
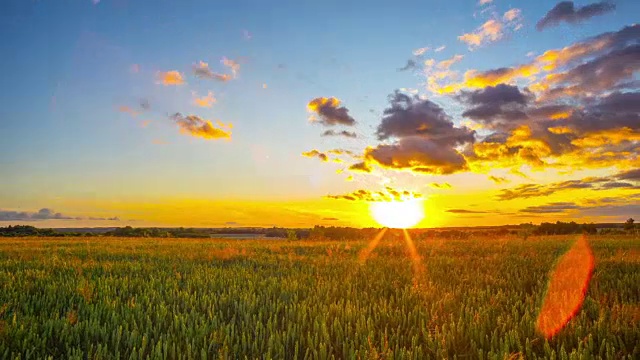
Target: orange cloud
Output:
[(172, 77), (198, 127), (315, 153), (205, 101), (127, 110)]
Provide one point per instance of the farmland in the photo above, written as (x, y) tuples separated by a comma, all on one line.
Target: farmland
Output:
[(477, 298)]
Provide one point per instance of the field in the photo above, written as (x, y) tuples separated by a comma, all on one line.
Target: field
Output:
[(113, 298)]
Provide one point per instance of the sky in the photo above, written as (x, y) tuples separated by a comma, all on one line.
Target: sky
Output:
[(295, 113)]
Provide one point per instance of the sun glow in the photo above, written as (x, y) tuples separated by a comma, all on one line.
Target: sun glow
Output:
[(398, 214)]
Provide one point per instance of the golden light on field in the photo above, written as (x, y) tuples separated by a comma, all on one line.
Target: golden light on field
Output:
[(397, 214), (567, 288)]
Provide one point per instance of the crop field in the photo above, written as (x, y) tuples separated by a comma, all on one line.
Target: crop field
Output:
[(133, 298)]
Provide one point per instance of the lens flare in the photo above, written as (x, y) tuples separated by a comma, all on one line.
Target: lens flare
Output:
[(416, 261), (397, 214), (567, 288)]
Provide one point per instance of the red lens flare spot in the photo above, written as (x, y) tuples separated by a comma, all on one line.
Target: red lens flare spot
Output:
[(567, 288)]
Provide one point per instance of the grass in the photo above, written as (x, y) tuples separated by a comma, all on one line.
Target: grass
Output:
[(132, 298)]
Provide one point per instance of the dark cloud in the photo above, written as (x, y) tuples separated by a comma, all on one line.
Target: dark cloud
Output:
[(388, 194), (144, 104), (567, 12), (344, 133), (411, 64), (426, 138), (330, 219), (555, 207), (599, 74), (315, 153), (417, 154), (361, 167), (330, 112), (410, 115), (198, 127), (494, 104), (633, 175), (43, 214), (465, 211), (440, 185), (535, 190), (617, 185), (498, 179)]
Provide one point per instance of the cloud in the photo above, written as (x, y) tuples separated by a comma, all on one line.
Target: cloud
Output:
[(198, 127), (205, 101), (599, 74), (494, 105), (201, 70), (411, 116), (426, 137), (234, 66), (144, 104), (172, 77), (330, 112), (493, 29), (417, 154), (465, 211), (440, 185), (330, 219), (315, 153), (410, 65), (555, 207), (498, 179), (127, 110), (549, 61), (488, 32), (633, 175), (484, 2), (388, 194), (526, 191), (342, 152), (43, 214), (420, 51), (344, 133), (440, 48), (360, 167), (567, 12)]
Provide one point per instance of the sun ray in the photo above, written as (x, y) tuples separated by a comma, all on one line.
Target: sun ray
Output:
[(364, 253), (416, 261)]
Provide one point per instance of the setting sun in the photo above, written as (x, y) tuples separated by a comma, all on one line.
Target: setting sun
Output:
[(398, 214)]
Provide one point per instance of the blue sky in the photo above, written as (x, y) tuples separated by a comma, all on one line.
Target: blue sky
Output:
[(69, 70)]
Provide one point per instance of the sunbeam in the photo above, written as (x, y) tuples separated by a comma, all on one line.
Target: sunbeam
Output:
[(364, 253), (416, 261)]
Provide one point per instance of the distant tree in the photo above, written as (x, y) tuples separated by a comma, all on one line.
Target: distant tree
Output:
[(628, 225), (292, 235)]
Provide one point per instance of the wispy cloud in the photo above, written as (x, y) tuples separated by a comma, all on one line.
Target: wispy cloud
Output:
[(493, 29), (204, 101), (202, 70), (44, 214), (344, 133)]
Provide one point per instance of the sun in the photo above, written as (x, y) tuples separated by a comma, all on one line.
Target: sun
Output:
[(397, 214)]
